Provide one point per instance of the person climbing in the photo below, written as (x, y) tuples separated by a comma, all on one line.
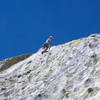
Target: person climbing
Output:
[(47, 44)]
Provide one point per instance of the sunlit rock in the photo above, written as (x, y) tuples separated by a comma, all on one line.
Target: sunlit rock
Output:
[(70, 71)]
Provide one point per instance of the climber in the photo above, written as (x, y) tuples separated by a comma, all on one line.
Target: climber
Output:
[(47, 44)]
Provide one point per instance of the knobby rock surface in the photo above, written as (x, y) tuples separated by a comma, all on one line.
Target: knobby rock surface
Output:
[(70, 71)]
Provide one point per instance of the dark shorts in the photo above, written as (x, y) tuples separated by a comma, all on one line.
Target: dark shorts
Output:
[(45, 45)]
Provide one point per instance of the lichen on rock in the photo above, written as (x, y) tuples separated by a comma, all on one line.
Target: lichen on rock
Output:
[(69, 71)]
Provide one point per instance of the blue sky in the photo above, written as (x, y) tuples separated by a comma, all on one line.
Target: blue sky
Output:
[(26, 24)]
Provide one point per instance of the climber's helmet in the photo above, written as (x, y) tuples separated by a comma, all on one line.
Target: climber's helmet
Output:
[(51, 37)]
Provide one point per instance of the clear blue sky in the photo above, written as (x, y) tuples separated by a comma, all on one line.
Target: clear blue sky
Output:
[(26, 24)]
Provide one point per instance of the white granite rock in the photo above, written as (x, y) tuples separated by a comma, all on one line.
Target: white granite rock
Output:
[(70, 71)]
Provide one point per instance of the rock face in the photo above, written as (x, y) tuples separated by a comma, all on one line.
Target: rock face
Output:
[(11, 61), (70, 71)]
